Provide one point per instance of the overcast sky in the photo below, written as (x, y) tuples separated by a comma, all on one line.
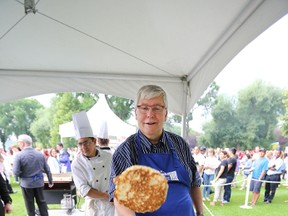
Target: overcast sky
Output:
[(265, 58)]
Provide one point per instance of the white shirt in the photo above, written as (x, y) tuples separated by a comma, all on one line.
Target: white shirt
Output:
[(277, 162), (212, 162), (199, 159), (93, 173), (53, 164)]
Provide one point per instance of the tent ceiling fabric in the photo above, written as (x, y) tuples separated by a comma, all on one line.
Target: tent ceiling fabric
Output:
[(114, 47)]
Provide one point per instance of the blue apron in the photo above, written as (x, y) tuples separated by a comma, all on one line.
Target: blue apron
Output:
[(178, 200)]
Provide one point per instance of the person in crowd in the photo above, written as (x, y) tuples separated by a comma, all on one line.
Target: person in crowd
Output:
[(232, 163), (103, 138), (260, 167), (5, 199), (6, 172), (210, 164), (237, 169), (91, 169), (12, 153), (274, 175), (269, 155), (46, 153), (286, 166), (246, 169), (220, 179), (199, 160), (28, 165), (256, 153), (164, 151), (63, 158), (203, 151), (53, 162)]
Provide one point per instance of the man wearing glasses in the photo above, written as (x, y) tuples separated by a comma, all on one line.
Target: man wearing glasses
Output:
[(91, 169), (164, 151)]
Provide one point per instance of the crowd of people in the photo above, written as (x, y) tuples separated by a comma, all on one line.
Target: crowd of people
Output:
[(219, 169), (192, 175)]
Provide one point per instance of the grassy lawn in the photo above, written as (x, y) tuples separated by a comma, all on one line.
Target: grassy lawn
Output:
[(276, 208), (18, 202)]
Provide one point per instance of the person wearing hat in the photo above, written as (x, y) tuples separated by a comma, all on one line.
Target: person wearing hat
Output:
[(103, 138), (91, 169), (203, 151), (260, 167), (169, 153)]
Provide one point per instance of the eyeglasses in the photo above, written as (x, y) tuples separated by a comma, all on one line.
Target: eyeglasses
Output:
[(155, 109), (86, 143)]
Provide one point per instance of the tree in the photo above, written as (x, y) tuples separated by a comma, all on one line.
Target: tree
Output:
[(224, 130), (284, 118), (246, 122), (258, 109), (122, 107), (17, 117), (40, 127), (207, 101), (63, 106)]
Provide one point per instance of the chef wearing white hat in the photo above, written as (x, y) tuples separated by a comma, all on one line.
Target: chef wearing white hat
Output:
[(91, 169), (103, 138)]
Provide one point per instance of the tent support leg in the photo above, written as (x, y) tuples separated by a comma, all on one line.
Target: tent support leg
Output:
[(184, 133)]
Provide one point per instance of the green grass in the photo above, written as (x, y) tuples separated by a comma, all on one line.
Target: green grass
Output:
[(276, 208), (19, 205)]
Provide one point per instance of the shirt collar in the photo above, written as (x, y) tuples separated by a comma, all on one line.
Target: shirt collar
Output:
[(145, 141)]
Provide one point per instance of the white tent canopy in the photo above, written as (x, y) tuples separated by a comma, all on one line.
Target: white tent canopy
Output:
[(97, 115), (114, 47)]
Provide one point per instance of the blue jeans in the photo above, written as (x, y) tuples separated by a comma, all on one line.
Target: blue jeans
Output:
[(207, 181), (227, 188)]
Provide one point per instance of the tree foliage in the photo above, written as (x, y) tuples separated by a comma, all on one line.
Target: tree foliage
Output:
[(17, 116), (246, 122), (258, 110), (284, 118), (122, 107), (62, 108), (41, 126), (223, 131)]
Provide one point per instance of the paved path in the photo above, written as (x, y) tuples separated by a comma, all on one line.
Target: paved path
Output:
[(61, 212)]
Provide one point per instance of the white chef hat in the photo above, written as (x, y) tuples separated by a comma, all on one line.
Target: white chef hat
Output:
[(82, 125), (103, 131)]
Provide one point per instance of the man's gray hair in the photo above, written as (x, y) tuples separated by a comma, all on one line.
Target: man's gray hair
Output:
[(151, 91), (25, 138)]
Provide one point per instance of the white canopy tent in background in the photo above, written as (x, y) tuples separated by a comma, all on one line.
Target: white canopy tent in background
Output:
[(97, 115), (115, 47)]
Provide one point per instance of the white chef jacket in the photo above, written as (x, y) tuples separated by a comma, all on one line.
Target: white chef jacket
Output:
[(93, 173)]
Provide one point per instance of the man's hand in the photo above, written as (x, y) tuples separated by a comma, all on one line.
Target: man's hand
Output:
[(8, 208), (50, 185)]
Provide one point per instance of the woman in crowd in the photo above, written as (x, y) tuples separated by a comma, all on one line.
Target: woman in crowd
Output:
[(221, 174), (210, 164), (246, 169), (53, 162)]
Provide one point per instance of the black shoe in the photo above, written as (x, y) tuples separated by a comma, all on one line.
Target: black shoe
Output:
[(268, 202)]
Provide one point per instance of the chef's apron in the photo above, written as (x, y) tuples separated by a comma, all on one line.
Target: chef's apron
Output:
[(178, 200), (94, 206)]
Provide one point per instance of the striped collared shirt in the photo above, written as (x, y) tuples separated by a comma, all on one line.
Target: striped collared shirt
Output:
[(126, 156)]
